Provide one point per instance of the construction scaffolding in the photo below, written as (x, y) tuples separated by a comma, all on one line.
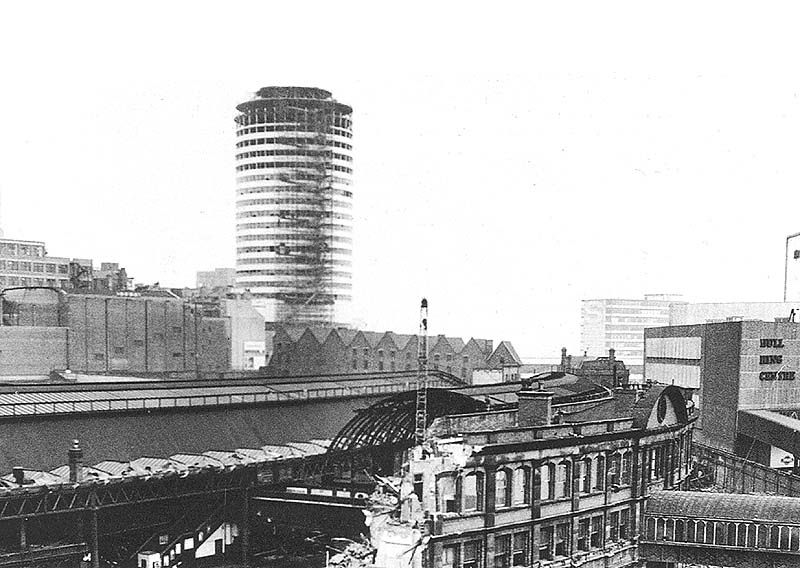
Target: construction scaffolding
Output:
[(311, 277)]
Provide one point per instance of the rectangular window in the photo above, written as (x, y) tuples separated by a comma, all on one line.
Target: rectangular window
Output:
[(472, 554), (623, 523), (596, 540), (502, 551), (38, 267), (613, 521), (546, 543), (521, 546), (450, 556), (119, 350), (63, 269), (583, 534), (99, 357), (563, 536), (177, 354), (51, 268), (138, 342)]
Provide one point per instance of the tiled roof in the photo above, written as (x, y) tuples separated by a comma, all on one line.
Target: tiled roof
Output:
[(725, 506)]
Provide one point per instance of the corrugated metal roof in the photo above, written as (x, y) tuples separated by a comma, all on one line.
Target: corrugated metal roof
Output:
[(724, 506)]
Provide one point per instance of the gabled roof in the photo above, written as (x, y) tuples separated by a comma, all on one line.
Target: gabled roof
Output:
[(347, 335), (401, 340), (373, 337), (321, 333), (507, 352), (456, 343)]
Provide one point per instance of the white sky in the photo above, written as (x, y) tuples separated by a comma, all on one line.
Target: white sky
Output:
[(511, 159)]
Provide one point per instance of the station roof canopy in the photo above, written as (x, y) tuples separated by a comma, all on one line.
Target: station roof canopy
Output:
[(724, 506)]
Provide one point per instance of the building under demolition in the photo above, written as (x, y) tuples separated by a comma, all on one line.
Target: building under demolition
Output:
[(549, 483)]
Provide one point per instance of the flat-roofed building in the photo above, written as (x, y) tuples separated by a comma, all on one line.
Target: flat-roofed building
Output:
[(744, 376)]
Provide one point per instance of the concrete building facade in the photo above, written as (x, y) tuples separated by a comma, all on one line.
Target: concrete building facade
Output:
[(54, 330), (744, 375), (619, 324), (216, 278), (689, 313), (294, 205)]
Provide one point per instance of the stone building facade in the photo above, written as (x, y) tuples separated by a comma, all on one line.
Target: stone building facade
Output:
[(544, 485)]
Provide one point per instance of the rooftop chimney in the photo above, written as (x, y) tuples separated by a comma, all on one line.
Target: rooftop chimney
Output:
[(611, 353), (563, 358), (19, 476), (75, 463), (535, 408)]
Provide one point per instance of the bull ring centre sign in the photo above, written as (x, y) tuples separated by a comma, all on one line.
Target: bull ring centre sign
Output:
[(773, 359)]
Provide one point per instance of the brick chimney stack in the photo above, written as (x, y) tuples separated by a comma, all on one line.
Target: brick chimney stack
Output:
[(75, 463), (535, 408)]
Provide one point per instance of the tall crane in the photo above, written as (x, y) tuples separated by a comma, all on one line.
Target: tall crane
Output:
[(422, 376)]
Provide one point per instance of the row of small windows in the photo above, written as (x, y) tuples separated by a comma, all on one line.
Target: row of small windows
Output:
[(322, 201), (273, 260), (290, 128), (16, 249), (309, 153), (314, 118), (292, 237), (280, 225), (512, 485), (293, 272), (282, 177), (282, 296), (310, 165), (283, 284), (291, 141), (293, 214), (24, 266), (22, 281), (291, 189), (555, 542), (284, 250), (724, 533)]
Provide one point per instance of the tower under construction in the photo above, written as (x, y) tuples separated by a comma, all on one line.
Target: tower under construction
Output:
[(294, 204)]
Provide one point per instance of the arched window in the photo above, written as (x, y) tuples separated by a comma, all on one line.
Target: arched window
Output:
[(586, 466), (599, 473), (546, 481), (626, 469), (522, 485), (563, 479), (502, 488), (472, 490), (614, 464)]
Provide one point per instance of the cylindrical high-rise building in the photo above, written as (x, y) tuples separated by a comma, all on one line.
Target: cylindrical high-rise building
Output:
[(294, 205)]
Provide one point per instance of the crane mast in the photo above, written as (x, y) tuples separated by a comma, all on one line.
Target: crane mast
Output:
[(422, 375)]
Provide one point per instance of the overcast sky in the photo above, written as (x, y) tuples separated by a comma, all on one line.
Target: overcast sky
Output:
[(510, 159)]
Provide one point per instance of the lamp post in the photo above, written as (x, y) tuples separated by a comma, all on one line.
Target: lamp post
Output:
[(786, 265)]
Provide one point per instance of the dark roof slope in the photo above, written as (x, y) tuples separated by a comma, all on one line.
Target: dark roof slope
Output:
[(702, 505)]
